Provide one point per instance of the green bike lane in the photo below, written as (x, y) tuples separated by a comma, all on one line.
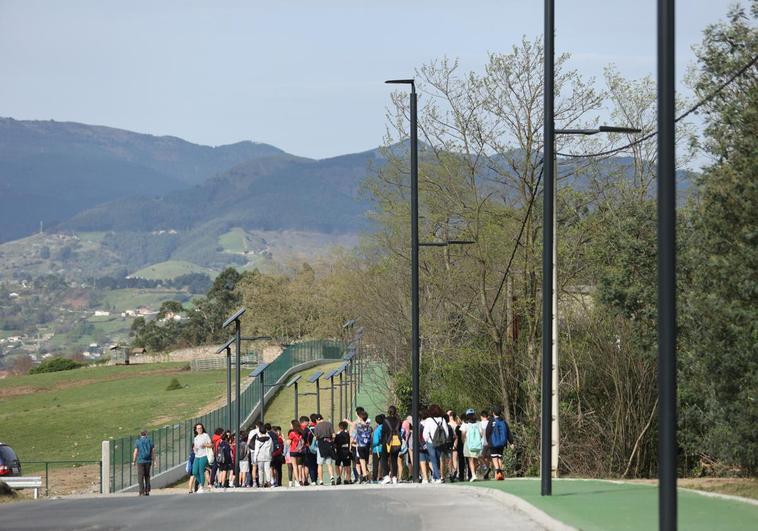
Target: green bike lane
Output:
[(609, 505)]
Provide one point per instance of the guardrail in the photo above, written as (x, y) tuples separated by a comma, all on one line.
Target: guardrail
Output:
[(173, 442), (30, 465)]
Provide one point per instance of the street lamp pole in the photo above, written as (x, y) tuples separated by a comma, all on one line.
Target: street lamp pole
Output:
[(228, 348), (667, 510), (235, 318), (415, 340), (546, 487)]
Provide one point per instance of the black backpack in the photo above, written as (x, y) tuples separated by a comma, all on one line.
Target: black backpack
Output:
[(439, 439)]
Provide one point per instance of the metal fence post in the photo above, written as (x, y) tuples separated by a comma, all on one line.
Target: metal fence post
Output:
[(47, 476)]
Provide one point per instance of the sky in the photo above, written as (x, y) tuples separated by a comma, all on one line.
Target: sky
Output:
[(306, 76)]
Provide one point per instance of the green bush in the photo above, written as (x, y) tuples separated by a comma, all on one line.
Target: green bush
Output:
[(174, 385), (56, 364)]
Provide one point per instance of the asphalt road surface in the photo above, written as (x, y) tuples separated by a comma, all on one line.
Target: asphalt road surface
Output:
[(394, 508)]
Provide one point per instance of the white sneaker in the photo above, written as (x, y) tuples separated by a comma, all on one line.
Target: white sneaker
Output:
[(289, 484), (386, 480), (473, 478), (424, 481), (437, 481), (200, 490), (394, 481)]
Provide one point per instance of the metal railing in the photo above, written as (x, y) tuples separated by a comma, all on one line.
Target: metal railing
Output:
[(73, 464), (173, 442)]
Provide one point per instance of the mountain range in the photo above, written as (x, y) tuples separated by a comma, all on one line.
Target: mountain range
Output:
[(147, 199)]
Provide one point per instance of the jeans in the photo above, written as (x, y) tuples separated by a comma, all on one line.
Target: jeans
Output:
[(198, 469), (434, 458), (143, 477)]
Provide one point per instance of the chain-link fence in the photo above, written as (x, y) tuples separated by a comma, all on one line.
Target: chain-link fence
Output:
[(173, 442)]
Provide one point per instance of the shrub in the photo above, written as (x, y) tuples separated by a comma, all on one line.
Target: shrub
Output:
[(56, 364), (174, 385)]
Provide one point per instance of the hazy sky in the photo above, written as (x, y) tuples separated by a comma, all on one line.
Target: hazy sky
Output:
[(306, 76)]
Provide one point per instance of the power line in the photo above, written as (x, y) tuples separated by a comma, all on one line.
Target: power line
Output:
[(689, 111)]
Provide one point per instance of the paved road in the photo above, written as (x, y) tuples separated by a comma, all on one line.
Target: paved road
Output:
[(395, 508)]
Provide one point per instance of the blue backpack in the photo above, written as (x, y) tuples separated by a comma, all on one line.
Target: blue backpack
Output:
[(313, 447), (500, 433), (377, 440), (363, 435)]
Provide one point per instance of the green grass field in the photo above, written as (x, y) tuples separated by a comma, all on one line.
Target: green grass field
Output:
[(66, 415), (170, 269), (129, 299), (604, 505), (234, 241)]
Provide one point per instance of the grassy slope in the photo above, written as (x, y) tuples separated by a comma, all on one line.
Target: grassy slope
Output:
[(602, 505), (130, 299), (170, 269), (281, 409), (66, 415), (234, 241)]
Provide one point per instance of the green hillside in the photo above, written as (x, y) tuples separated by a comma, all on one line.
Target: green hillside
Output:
[(66, 415), (170, 269)]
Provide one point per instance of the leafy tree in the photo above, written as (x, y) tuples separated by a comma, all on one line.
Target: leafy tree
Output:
[(720, 354), (56, 364)]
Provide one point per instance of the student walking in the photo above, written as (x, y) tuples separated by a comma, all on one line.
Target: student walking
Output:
[(376, 449), (203, 448), (297, 451), (362, 442), (324, 433), (244, 461), (391, 444), (436, 437), (144, 452), (224, 461), (499, 436), (262, 457), (277, 456), (473, 441), (343, 460)]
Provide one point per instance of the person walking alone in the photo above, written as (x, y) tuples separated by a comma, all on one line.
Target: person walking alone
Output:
[(144, 453), (203, 448)]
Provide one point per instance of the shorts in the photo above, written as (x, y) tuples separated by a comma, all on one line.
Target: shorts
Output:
[(497, 451), (323, 460), (226, 467), (363, 452), (343, 460), (244, 466), (423, 457)]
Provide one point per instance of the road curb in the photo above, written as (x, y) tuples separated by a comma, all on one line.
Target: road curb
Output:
[(514, 502)]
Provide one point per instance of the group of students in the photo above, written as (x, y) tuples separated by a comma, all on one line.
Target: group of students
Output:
[(451, 448)]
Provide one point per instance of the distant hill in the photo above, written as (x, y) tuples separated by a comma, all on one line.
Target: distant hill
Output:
[(272, 193), (50, 171)]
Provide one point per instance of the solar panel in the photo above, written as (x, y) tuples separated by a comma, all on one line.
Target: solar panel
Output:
[(315, 376), (225, 346), (293, 381), (234, 317), (258, 370)]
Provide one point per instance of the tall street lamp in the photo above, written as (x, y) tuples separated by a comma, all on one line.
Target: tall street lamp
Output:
[(555, 365), (415, 344), (292, 383), (667, 506), (235, 318), (666, 231), (228, 348)]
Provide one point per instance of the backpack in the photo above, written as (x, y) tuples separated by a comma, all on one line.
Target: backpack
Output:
[(474, 438), (220, 455), (500, 433), (144, 449), (393, 437), (300, 446), (376, 441), (450, 438), (275, 447), (439, 439), (363, 435), (313, 446)]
